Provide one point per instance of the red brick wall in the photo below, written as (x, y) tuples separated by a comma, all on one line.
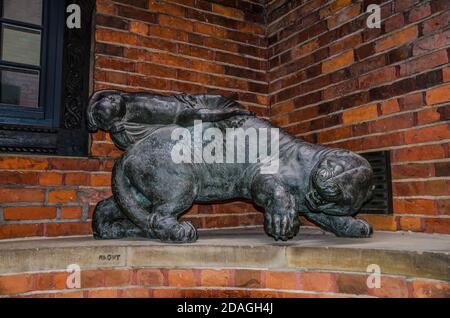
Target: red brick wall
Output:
[(336, 82), (221, 283), (47, 196), (183, 46)]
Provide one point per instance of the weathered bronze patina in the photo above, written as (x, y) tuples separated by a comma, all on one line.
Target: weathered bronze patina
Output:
[(151, 191)]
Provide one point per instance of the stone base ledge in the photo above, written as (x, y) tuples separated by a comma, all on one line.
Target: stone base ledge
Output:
[(413, 255)]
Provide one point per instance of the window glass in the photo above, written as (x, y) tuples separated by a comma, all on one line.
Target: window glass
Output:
[(19, 87), (21, 45), (29, 11)]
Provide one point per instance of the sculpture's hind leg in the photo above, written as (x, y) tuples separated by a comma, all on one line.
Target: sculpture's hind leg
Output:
[(108, 222), (152, 196), (342, 226), (172, 192)]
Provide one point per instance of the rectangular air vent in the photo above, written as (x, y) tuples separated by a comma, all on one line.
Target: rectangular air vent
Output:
[(381, 202)]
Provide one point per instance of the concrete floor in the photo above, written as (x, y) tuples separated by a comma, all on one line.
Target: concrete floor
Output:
[(410, 254)]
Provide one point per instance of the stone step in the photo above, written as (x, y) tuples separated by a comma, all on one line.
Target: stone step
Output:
[(407, 254)]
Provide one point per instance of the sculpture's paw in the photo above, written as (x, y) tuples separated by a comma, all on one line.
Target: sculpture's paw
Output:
[(357, 229), (183, 232), (282, 226)]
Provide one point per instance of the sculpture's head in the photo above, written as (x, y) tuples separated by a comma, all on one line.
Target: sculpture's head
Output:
[(104, 109), (340, 183)]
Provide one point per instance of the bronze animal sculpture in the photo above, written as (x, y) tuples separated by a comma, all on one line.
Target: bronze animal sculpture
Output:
[(151, 191)]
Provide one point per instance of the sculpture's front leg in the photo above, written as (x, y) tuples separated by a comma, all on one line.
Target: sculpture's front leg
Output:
[(342, 226), (280, 217)]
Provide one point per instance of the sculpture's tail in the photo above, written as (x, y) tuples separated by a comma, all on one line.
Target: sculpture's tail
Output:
[(127, 198)]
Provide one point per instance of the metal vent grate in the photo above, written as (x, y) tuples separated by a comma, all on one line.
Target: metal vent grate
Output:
[(381, 202)]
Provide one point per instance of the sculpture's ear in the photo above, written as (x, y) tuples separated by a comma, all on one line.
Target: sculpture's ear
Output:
[(92, 125)]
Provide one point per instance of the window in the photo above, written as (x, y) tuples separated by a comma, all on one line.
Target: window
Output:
[(42, 62), (31, 61)]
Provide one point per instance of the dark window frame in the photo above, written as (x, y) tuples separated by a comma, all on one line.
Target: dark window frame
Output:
[(59, 126), (52, 37)]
